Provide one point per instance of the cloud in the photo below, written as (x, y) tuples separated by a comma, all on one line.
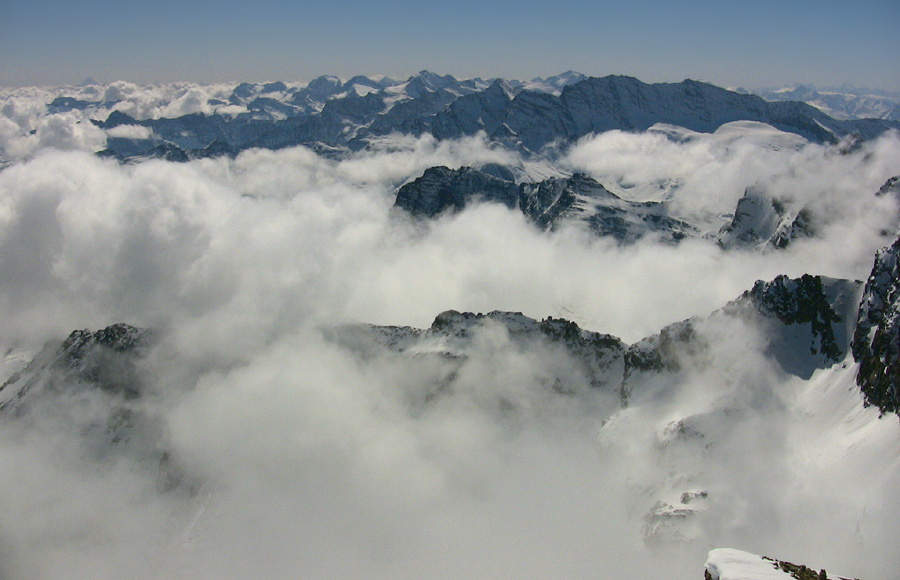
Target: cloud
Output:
[(706, 174), (130, 132), (309, 460)]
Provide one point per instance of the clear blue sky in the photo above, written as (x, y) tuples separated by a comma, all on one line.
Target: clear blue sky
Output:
[(751, 42)]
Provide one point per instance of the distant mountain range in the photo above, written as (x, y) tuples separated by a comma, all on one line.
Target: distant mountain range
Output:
[(334, 116), (845, 102)]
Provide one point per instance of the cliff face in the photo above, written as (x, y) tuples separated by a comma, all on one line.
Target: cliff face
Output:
[(876, 342)]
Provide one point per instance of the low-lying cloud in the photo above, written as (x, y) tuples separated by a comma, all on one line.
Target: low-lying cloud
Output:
[(304, 459)]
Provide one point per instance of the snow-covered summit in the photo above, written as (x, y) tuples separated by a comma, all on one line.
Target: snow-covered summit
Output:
[(731, 564), (346, 115)]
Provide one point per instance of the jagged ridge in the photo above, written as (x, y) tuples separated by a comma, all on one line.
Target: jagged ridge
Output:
[(333, 116), (876, 341), (546, 203)]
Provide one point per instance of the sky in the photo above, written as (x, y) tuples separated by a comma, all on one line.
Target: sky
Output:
[(750, 44)]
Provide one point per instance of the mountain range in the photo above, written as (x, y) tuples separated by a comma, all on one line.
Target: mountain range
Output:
[(334, 116), (845, 102)]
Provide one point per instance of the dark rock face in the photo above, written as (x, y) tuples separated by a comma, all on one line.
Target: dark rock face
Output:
[(806, 321), (441, 189), (546, 203), (483, 111), (94, 385), (105, 359), (876, 342), (665, 352), (801, 301), (890, 187)]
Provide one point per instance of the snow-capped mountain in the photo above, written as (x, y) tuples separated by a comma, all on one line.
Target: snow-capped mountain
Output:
[(845, 102), (730, 564), (760, 220), (329, 113)]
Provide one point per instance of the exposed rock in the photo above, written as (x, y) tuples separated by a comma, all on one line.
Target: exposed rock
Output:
[(94, 384), (441, 189), (876, 341), (547, 203), (815, 317), (731, 564), (890, 187), (104, 359)]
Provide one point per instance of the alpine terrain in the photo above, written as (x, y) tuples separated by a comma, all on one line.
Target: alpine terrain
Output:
[(567, 327)]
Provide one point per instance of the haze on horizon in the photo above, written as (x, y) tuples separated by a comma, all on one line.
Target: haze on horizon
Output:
[(48, 42)]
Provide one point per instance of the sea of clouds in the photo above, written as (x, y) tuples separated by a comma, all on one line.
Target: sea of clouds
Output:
[(306, 460)]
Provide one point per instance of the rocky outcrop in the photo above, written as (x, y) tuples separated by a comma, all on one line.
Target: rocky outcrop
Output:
[(731, 564), (547, 203), (876, 341), (762, 221), (807, 321), (94, 385), (890, 187), (105, 359), (802, 301), (440, 189)]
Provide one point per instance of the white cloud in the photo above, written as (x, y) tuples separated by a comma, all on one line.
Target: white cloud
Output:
[(317, 463), (130, 132)]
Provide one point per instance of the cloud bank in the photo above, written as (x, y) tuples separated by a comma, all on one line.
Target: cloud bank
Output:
[(304, 459)]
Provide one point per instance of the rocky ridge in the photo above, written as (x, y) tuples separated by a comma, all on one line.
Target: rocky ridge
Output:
[(806, 320), (547, 203), (333, 116), (731, 564), (105, 359), (760, 221), (876, 340)]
